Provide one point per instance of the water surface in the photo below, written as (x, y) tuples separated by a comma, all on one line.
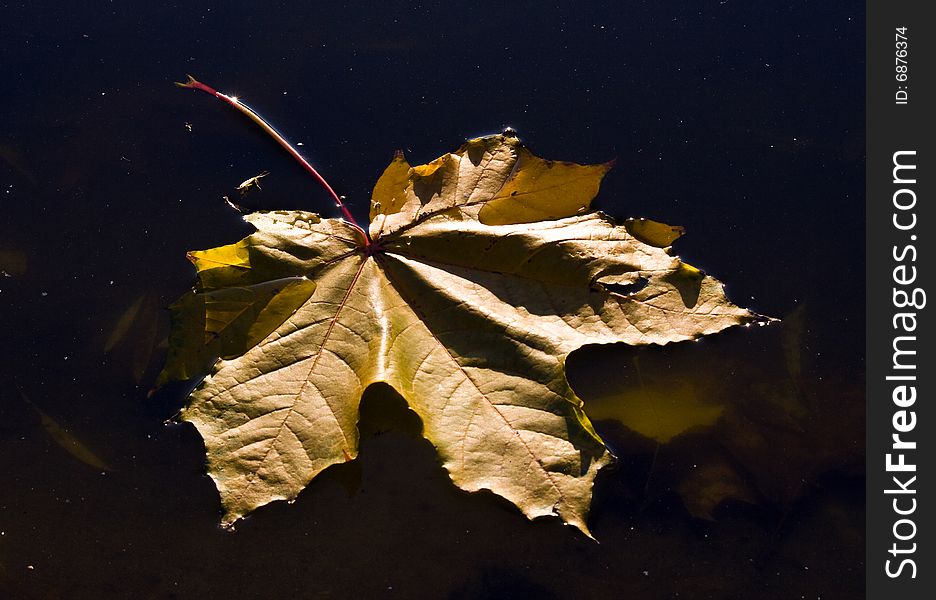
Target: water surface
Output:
[(742, 123)]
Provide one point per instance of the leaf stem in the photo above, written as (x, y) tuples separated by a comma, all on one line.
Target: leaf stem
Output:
[(233, 101)]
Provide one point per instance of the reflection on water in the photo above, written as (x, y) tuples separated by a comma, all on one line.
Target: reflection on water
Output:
[(135, 340), (738, 467), (737, 418), (66, 440)]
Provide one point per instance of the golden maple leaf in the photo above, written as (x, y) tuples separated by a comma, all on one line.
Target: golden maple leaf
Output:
[(482, 271)]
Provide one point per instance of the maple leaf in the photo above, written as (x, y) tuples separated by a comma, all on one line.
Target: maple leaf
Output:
[(483, 270)]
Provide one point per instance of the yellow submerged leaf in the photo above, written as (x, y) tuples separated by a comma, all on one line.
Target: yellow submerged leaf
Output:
[(657, 411), (481, 275)]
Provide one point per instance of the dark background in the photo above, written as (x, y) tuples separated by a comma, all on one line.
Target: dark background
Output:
[(743, 122)]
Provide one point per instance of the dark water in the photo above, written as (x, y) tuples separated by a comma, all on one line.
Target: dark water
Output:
[(742, 122)]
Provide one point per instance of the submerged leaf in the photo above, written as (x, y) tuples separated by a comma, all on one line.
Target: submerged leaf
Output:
[(483, 272), (134, 336), (659, 411), (146, 341), (711, 484), (66, 440), (119, 332)]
